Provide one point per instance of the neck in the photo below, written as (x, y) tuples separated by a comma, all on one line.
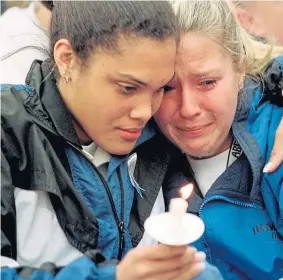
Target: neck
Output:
[(84, 138), (82, 135)]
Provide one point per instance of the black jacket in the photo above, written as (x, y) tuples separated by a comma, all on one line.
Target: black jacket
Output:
[(35, 130)]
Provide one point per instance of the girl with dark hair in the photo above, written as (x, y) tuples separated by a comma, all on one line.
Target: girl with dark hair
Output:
[(69, 148)]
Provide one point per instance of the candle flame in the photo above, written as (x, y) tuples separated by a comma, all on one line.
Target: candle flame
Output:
[(186, 191)]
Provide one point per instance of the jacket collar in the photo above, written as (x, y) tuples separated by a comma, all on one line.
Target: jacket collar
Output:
[(46, 101), (245, 187), (246, 139)]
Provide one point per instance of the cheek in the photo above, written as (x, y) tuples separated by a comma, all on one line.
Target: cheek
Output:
[(166, 111), (225, 113), (222, 104)]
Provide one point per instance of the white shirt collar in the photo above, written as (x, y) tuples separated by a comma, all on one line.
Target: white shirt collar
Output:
[(96, 154)]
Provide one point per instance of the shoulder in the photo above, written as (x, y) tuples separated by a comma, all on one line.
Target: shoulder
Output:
[(267, 100), (6, 17), (13, 111), (272, 83), (22, 40), (13, 96), (266, 110), (25, 22)]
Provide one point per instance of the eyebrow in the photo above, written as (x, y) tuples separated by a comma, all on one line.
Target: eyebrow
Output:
[(134, 79), (205, 73)]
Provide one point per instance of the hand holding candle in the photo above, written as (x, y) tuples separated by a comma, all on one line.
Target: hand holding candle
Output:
[(176, 227)]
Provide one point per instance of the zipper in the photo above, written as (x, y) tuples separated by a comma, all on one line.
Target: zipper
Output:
[(243, 146), (221, 197), (119, 222)]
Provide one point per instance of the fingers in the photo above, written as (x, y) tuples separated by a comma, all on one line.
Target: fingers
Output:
[(173, 268), (171, 251), (187, 273), (277, 152), (178, 262), (161, 262), (192, 271), (189, 269), (161, 251), (192, 256)]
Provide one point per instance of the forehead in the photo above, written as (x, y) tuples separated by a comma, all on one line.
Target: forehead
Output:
[(149, 60), (143, 50), (198, 53)]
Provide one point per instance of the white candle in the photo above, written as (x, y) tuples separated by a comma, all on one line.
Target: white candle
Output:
[(178, 206), (177, 209), (176, 227)]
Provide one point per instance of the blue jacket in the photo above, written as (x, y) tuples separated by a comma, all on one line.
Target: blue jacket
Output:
[(243, 210), (35, 116)]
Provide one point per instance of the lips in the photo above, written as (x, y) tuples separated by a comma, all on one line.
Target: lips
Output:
[(131, 134), (192, 128), (133, 130), (193, 131)]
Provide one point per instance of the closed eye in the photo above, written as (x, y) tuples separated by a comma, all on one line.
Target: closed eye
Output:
[(127, 89), (168, 88), (208, 84)]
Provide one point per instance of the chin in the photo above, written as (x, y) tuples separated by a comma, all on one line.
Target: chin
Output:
[(198, 155), (202, 153), (123, 150), (198, 152)]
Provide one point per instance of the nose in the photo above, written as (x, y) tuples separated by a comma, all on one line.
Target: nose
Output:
[(146, 106), (189, 103)]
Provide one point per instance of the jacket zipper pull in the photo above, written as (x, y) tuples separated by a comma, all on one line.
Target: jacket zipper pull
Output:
[(122, 236)]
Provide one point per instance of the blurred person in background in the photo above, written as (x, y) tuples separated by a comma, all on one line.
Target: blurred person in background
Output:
[(3, 6), (24, 38), (9, 4), (263, 19)]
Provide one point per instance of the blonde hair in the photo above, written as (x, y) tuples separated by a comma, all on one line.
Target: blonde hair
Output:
[(215, 19)]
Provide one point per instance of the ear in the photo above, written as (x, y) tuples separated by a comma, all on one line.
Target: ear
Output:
[(249, 22), (65, 57), (244, 17)]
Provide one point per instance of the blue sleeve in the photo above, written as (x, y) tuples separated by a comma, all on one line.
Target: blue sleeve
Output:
[(263, 122), (210, 273), (81, 269)]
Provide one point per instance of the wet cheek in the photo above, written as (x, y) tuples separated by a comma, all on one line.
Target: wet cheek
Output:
[(160, 115), (167, 109), (164, 121), (224, 120)]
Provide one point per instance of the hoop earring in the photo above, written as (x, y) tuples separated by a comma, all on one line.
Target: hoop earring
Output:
[(67, 79)]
